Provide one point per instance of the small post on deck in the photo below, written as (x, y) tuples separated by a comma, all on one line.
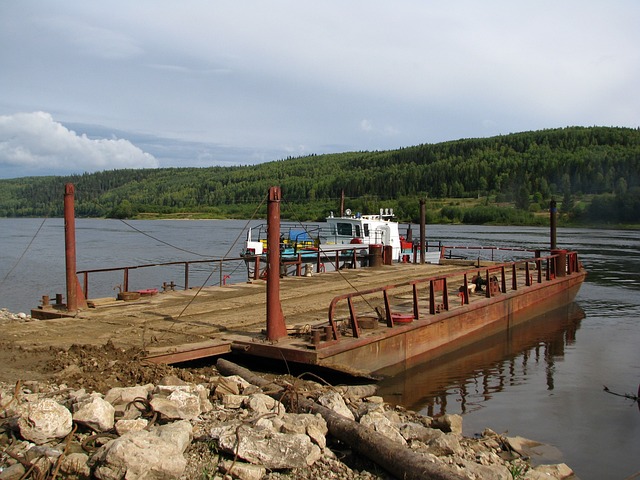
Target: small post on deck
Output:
[(276, 327), (552, 223), (423, 238)]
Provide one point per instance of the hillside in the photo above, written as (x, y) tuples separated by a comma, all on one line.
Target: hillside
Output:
[(593, 173)]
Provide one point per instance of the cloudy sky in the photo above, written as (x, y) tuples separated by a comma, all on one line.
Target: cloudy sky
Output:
[(88, 86)]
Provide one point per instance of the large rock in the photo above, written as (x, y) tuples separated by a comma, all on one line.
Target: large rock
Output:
[(380, 423), (558, 471), (44, 420), (42, 451), (415, 431), (448, 423), (14, 472), (232, 401), (261, 404), (200, 391), (125, 425), (179, 433), (96, 413), (125, 395), (313, 425), (334, 401), (185, 402), (122, 398), (445, 444), (139, 456), (269, 449), (178, 405), (242, 471), (76, 464), (232, 384), (487, 472)]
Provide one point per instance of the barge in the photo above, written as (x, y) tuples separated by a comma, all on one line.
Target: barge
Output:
[(390, 314), (370, 329)]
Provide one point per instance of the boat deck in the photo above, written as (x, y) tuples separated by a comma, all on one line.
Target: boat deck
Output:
[(356, 320), (168, 320)]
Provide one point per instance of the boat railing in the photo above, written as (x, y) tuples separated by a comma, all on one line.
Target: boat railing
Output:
[(219, 264), (491, 253), (494, 279), (336, 256), (293, 234)]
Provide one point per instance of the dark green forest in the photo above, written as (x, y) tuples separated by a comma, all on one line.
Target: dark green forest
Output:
[(593, 173)]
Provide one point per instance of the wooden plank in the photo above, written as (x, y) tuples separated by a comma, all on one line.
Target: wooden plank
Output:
[(99, 302), (188, 351)]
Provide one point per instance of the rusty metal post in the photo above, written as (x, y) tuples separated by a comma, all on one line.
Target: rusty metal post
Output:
[(276, 327), (553, 223), (125, 280), (70, 246), (318, 260), (432, 298), (256, 268), (423, 238)]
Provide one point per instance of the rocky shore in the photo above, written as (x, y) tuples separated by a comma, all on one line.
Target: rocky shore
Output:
[(102, 413), (7, 316)]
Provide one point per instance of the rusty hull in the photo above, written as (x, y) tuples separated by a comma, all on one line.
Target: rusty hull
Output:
[(428, 336)]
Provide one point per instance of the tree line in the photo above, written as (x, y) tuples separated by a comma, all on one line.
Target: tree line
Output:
[(593, 173)]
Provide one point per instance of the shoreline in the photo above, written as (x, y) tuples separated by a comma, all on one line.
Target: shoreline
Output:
[(202, 412)]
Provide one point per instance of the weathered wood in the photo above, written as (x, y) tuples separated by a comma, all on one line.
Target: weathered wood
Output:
[(398, 460)]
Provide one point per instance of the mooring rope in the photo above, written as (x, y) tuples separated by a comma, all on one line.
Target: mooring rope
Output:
[(336, 267), (177, 319), (23, 253), (161, 241)]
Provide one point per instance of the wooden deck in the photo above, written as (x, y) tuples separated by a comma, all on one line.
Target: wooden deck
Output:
[(170, 320), (348, 320)]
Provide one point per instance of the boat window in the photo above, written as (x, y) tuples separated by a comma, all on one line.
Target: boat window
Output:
[(358, 231), (344, 229), (366, 229)]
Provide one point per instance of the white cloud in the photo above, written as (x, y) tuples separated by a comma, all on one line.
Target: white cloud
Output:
[(36, 143), (327, 75)]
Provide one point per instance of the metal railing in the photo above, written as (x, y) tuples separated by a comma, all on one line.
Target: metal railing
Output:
[(127, 269), (559, 263)]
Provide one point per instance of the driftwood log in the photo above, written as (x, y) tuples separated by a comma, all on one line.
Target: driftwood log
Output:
[(396, 459)]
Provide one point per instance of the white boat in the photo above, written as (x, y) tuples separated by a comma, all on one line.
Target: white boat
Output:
[(347, 232)]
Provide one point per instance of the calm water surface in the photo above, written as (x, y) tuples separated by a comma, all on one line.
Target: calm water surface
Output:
[(543, 381)]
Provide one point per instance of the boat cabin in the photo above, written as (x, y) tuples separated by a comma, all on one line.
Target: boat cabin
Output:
[(356, 228)]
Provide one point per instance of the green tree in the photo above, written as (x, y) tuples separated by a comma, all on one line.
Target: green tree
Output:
[(567, 198), (123, 210)]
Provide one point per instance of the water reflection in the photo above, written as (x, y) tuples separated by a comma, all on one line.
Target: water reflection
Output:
[(472, 375)]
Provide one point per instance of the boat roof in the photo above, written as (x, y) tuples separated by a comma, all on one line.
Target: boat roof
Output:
[(385, 215)]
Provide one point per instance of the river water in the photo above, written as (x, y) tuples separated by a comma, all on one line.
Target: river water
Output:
[(543, 381)]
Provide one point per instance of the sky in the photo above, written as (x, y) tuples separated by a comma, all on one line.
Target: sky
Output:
[(88, 86)]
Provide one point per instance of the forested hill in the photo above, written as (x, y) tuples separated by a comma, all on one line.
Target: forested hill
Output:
[(593, 173)]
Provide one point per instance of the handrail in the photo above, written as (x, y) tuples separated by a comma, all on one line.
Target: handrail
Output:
[(126, 269), (561, 264), (331, 253)]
